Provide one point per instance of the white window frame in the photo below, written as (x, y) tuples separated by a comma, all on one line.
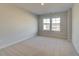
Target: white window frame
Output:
[(55, 24), (46, 23), (52, 22)]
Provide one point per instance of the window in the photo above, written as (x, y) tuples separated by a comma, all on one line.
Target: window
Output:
[(46, 24), (51, 24), (55, 24)]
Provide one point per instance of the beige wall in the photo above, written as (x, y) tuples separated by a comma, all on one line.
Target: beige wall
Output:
[(62, 33), (16, 24), (69, 24), (75, 26)]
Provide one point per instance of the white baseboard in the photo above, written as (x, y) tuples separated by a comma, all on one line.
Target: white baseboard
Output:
[(77, 51), (12, 43)]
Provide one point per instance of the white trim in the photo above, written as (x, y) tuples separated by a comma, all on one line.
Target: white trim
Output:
[(12, 43), (75, 47)]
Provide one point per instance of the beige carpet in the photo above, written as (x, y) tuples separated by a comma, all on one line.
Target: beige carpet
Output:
[(40, 46)]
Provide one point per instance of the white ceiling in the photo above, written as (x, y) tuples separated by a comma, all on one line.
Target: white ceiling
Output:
[(38, 9)]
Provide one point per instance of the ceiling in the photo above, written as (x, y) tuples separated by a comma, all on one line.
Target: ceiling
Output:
[(39, 9)]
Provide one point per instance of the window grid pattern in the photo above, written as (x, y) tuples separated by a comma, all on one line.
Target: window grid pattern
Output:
[(55, 24), (46, 24)]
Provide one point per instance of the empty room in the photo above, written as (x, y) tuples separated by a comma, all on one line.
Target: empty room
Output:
[(39, 29)]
